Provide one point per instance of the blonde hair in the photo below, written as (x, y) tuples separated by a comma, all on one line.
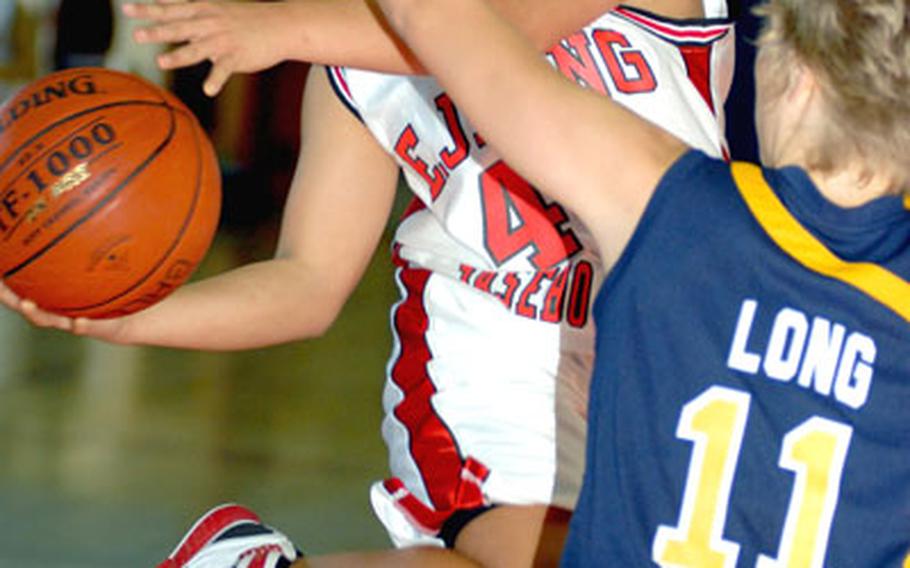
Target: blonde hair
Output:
[(859, 53)]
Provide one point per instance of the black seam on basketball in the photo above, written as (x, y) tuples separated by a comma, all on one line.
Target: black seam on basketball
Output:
[(26, 167), (11, 231), (153, 89), (53, 125), (101, 203), (178, 238)]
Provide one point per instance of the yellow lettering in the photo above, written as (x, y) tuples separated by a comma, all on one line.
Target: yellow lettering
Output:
[(70, 180)]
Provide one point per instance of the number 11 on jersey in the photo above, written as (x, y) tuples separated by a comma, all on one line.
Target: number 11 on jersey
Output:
[(815, 451)]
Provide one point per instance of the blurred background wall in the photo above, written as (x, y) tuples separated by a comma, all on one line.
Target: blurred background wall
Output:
[(106, 452)]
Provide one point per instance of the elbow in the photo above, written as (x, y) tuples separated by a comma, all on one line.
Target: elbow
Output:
[(319, 327), (320, 320)]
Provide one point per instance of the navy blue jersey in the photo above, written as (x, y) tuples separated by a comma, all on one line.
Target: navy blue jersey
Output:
[(751, 399)]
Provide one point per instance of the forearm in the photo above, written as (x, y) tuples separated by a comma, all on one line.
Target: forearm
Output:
[(333, 218), (544, 22), (256, 305), (246, 37), (355, 33), (346, 32)]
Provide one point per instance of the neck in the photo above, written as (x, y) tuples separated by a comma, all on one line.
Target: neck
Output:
[(853, 186)]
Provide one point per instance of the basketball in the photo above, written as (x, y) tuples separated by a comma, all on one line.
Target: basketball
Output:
[(110, 193)]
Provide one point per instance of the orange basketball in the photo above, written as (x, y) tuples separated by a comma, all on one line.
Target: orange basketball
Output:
[(110, 193)]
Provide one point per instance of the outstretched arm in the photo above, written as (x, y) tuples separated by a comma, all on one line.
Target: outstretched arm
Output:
[(251, 36), (336, 212), (594, 156)]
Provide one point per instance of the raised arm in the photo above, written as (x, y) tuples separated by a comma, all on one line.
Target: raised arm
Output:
[(251, 36), (336, 212), (594, 156)]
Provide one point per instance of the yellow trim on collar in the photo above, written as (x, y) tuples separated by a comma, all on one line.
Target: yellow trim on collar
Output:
[(879, 283)]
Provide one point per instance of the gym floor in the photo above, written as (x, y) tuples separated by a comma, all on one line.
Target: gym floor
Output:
[(109, 453)]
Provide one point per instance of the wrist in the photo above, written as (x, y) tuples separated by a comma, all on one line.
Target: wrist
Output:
[(289, 27)]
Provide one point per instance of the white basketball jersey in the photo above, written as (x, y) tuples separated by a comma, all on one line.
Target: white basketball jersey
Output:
[(487, 384)]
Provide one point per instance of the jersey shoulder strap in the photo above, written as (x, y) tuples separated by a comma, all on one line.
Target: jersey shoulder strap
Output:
[(788, 233)]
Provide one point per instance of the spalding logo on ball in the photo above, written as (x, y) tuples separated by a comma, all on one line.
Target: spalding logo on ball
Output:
[(109, 193)]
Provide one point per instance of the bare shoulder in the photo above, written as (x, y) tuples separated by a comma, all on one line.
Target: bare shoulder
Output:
[(672, 8)]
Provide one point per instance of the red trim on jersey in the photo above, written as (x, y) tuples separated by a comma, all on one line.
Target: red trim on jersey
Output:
[(413, 207), (206, 529), (451, 482), (396, 255), (706, 33), (260, 556), (698, 67), (342, 82), (258, 561), (469, 495)]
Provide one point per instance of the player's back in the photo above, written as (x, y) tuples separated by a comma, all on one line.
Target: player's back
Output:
[(753, 378)]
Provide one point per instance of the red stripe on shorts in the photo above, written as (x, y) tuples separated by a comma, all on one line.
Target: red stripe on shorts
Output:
[(432, 446)]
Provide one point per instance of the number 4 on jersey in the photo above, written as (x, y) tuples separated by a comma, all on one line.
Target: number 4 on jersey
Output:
[(516, 218)]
